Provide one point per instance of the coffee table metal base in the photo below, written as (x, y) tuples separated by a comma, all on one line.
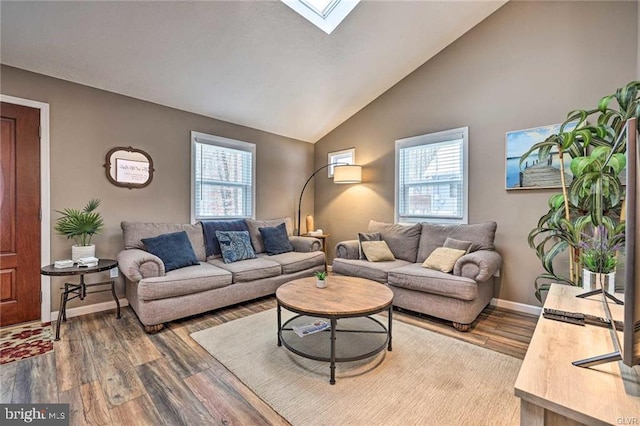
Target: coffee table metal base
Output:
[(364, 337)]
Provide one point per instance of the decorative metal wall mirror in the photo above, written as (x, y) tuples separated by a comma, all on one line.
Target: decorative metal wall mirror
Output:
[(129, 167)]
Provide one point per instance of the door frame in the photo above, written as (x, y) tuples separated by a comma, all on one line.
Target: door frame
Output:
[(45, 199)]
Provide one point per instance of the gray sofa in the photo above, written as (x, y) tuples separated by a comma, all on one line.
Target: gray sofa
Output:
[(459, 296), (158, 297)]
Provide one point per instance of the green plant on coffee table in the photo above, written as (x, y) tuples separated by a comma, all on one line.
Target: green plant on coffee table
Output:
[(599, 250), (321, 275), (80, 225)]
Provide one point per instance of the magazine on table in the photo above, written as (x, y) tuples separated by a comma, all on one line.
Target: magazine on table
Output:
[(314, 327)]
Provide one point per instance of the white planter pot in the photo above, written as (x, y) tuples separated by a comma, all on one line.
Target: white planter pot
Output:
[(321, 283), (595, 281), (82, 251)]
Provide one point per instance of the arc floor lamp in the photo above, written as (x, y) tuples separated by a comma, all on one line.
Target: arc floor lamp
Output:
[(342, 174)]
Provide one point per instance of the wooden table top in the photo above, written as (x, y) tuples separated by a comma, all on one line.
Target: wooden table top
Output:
[(343, 296), (606, 393)]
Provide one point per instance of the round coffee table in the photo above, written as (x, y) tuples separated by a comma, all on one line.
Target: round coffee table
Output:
[(347, 302)]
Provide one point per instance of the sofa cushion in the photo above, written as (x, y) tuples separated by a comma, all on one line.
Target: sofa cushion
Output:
[(275, 239), (433, 236), (377, 251), (415, 277), (209, 228), (174, 249), (442, 259), (250, 269), (254, 230), (366, 236), (402, 239), (376, 271), (235, 246), (134, 232), (189, 280), (294, 261)]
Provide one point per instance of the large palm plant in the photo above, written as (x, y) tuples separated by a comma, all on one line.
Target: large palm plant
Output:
[(594, 196), (80, 225)]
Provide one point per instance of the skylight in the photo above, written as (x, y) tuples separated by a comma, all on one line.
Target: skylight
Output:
[(321, 7), (324, 14)]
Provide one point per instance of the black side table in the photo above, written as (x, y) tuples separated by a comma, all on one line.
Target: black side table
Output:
[(80, 290)]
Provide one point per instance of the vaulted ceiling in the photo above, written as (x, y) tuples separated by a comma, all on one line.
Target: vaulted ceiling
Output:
[(254, 63)]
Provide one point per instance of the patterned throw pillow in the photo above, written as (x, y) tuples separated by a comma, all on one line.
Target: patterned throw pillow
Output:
[(276, 240), (443, 259), (235, 246), (209, 229), (174, 249)]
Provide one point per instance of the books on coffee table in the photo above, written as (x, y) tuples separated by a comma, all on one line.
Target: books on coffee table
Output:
[(314, 327)]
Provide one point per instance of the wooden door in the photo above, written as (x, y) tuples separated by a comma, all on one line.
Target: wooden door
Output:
[(20, 214)]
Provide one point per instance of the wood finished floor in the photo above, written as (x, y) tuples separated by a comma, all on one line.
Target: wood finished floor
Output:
[(112, 373)]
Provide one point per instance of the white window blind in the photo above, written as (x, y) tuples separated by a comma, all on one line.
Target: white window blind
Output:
[(431, 183), (223, 178)]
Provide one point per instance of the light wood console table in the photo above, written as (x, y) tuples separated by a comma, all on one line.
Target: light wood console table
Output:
[(554, 392)]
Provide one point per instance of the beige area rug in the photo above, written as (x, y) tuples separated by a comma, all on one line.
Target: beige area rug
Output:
[(428, 379)]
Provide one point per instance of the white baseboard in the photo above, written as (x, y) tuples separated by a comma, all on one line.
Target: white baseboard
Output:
[(515, 306), (90, 309)]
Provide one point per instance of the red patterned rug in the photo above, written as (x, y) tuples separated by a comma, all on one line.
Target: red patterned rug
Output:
[(25, 341)]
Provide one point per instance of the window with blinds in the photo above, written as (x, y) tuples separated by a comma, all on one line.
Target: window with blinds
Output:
[(431, 177), (346, 156), (223, 178)]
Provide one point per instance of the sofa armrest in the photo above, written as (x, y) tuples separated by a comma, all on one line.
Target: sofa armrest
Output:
[(349, 249), (479, 265), (136, 264), (305, 244)]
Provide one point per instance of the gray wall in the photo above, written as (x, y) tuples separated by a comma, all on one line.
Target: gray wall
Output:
[(526, 65), (86, 123)]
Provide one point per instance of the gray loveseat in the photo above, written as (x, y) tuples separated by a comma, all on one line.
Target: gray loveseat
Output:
[(459, 296), (158, 297)]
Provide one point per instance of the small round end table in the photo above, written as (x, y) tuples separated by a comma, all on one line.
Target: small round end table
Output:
[(79, 290)]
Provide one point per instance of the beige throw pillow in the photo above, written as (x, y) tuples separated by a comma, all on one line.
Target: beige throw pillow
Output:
[(443, 259), (377, 251)]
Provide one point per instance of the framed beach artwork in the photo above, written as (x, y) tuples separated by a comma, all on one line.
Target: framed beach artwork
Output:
[(534, 173)]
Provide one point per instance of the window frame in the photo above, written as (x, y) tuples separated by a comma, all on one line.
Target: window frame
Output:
[(428, 139), (203, 138), (331, 161)]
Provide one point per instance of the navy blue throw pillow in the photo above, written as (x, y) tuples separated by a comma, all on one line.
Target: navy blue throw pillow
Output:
[(209, 228), (235, 246), (276, 240), (173, 249)]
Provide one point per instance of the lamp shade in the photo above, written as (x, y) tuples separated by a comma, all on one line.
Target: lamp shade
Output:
[(347, 174)]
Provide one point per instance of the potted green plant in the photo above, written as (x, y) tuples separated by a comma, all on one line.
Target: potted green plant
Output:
[(81, 226), (320, 279), (594, 197), (599, 259)]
